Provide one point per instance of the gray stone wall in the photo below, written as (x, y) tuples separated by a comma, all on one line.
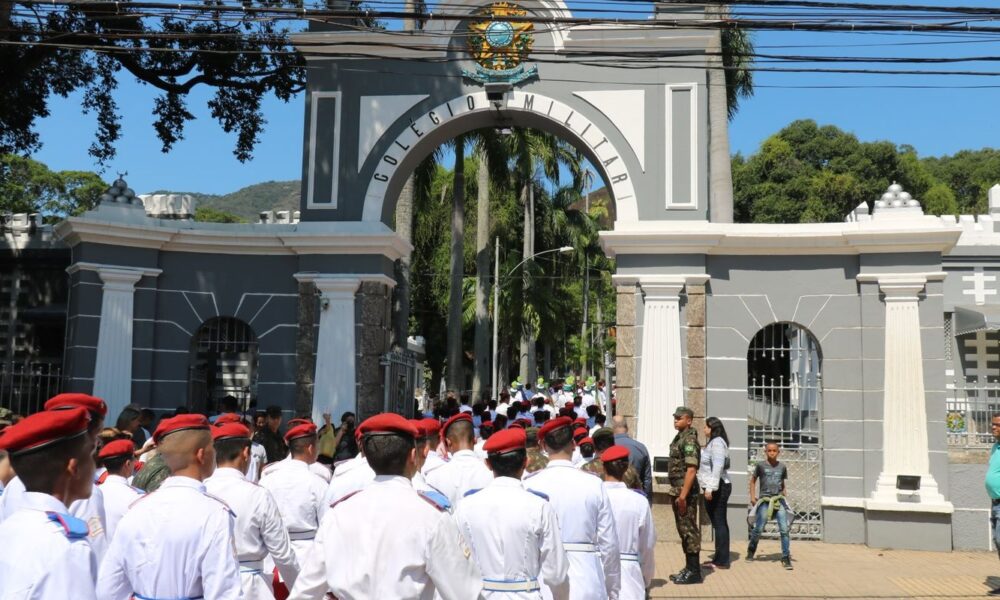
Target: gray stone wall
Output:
[(971, 521), (373, 306)]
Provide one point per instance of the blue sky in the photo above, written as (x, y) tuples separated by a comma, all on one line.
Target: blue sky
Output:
[(934, 121)]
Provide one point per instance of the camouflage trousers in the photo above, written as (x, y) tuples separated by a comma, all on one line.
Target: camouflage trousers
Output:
[(687, 524)]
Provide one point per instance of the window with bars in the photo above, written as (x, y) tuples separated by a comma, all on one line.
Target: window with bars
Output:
[(224, 355)]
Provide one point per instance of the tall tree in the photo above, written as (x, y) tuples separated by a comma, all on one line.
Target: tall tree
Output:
[(481, 348), (729, 79), (456, 372), (28, 186)]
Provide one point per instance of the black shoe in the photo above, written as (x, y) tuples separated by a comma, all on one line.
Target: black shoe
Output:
[(995, 592), (688, 578), (678, 574), (750, 553), (786, 561)]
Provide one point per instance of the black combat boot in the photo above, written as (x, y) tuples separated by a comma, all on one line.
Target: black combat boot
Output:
[(691, 573), (679, 574)]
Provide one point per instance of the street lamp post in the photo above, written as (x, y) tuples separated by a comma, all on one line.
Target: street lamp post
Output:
[(496, 301)]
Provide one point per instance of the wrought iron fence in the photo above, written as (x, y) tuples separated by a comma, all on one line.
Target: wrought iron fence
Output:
[(969, 408), (401, 378), (24, 388)]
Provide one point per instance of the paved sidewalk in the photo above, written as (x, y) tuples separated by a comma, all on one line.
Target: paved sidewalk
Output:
[(833, 571)]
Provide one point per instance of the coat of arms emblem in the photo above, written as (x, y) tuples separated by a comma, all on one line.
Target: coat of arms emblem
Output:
[(500, 44)]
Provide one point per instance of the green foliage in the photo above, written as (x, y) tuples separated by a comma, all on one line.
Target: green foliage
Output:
[(29, 186), (207, 214), (808, 173)]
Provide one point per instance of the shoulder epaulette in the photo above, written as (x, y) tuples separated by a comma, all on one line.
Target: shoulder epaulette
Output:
[(471, 492), (436, 499), (102, 478), (223, 503), (342, 498), (539, 494), (75, 529)]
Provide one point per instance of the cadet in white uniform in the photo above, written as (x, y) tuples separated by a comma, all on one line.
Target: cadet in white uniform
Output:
[(260, 532), (634, 522), (388, 529), (258, 455), (585, 519), (89, 509), (45, 553), (464, 471), (176, 542), (524, 547), (349, 477), (298, 492), (118, 459), (427, 438)]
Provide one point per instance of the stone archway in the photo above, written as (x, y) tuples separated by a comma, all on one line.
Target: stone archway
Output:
[(469, 111)]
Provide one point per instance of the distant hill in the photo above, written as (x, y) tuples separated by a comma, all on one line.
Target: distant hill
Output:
[(251, 200)]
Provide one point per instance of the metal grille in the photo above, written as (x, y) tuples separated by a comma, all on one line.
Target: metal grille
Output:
[(24, 388), (947, 336), (973, 395), (784, 396), (401, 374), (224, 363)]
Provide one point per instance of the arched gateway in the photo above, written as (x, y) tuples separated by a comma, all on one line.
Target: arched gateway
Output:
[(692, 294)]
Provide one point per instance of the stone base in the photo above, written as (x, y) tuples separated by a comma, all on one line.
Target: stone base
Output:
[(909, 530), (927, 499), (843, 525)]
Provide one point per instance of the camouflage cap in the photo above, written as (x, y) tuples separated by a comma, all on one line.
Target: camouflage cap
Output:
[(682, 411), (6, 416)]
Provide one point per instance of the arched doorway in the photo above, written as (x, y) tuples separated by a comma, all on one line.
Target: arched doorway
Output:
[(224, 357), (784, 397)]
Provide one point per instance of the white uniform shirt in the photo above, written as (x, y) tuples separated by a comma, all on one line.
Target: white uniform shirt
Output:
[(586, 524), (299, 494), (258, 457), (387, 528), (501, 410), (636, 539), (465, 471), (317, 468), (118, 496), (259, 532), (588, 399), (524, 545), (38, 559), (176, 542), (433, 461), (348, 478), (89, 510)]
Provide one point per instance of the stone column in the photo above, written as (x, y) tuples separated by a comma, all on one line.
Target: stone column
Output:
[(625, 353), (305, 348), (113, 367), (904, 420)]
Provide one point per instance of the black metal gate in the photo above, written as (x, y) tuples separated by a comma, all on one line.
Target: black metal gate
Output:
[(223, 363)]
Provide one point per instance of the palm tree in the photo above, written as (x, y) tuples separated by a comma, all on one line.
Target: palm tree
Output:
[(457, 267), (729, 79)]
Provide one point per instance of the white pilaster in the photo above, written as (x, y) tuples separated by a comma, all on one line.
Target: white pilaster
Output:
[(335, 384), (904, 421), (661, 379), (113, 368)]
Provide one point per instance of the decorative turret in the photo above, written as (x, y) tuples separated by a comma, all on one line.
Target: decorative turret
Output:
[(120, 193)]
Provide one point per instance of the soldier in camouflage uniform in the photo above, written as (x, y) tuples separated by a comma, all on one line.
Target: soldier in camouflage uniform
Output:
[(536, 460), (604, 438), (682, 468)]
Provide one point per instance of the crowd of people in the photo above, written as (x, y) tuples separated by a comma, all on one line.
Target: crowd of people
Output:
[(533, 495)]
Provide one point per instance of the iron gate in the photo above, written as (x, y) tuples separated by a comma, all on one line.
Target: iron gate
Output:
[(784, 397), (223, 363), (401, 372)]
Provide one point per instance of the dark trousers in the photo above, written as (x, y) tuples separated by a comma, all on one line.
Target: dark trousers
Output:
[(720, 526)]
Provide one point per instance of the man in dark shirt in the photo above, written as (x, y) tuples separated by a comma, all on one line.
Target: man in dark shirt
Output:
[(270, 436), (772, 476), (638, 455)]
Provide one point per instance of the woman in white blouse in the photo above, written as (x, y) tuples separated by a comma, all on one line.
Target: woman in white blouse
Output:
[(713, 477)]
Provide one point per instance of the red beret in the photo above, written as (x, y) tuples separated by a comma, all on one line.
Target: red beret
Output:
[(388, 424), (42, 429), (587, 440), (421, 428), (298, 421), (568, 405), (552, 425), (518, 424), (614, 453), (507, 440), (117, 448), (230, 430), (579, 433), (525, 404), (580, 421), (228, 418), (526, 422), (300, 431), (432, 426), (179, 423), (462, 416), (74, 400), (486, 424)]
